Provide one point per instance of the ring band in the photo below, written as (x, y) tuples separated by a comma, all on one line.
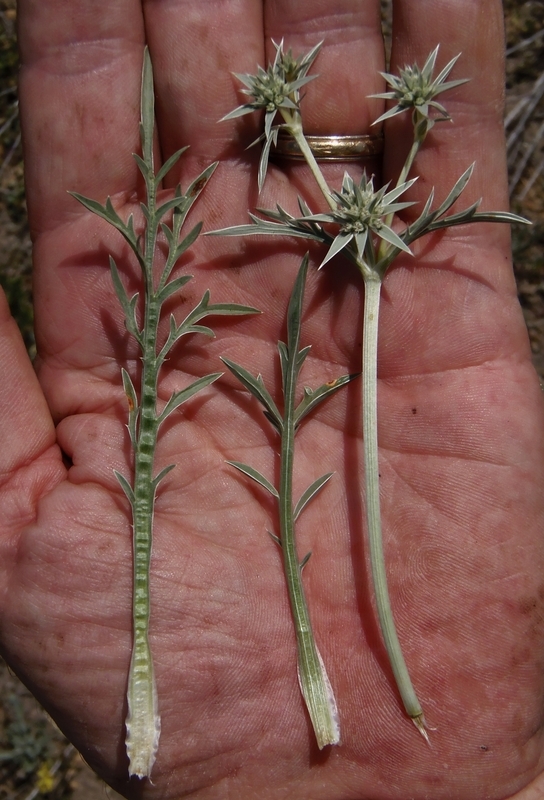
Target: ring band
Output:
[(330, 148)]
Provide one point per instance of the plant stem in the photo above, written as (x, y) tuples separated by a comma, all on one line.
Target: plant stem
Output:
[(294, 127), (143, 721), (314, 683), (405, 171), (372, 487)]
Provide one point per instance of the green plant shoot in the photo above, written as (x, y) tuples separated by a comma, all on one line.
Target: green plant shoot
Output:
[(359, 225), (314, 682), (144, 420)]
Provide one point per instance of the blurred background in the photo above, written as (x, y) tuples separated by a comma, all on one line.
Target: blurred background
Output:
[(35, 759)]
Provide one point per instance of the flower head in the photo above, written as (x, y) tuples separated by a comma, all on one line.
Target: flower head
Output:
[(277, 86), (272, 89), (415, 89), (360, 211)]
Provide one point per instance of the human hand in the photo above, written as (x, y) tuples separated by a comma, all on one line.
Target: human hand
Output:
[(461, 478)]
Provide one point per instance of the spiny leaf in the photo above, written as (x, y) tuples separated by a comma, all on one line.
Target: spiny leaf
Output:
[(456, 191), (256, 476)]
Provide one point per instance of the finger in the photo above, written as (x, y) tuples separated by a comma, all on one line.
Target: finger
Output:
[(348, 63), (476, 132), (447, 285), (195, 47), (30, 462), (79, 91)]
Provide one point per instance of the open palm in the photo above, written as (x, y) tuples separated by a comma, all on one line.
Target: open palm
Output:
[(461, 444)]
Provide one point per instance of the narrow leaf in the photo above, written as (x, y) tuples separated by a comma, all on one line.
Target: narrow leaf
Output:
[(340, 241), (142, 166), (456, 191), (305, 560), (471, 215), (162, 474), (148, 110), (199, 184), (180, 397), (275, 539), (168, 205), (390, 236), (284, 361), (128, 306), (443, 74), (125, 486), (313, 398), (231, 309), (263, 228), (294, 311), (173, 287), (257, 388), (310, 492), (108, 213), (203, 329), (270, 139), (168, 235), (167, 166), (239, 112), (187, 241), (133, 409), (91, 205), (301, 355), (256, 476)]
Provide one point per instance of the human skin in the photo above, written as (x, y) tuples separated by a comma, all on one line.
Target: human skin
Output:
[(460, 430)]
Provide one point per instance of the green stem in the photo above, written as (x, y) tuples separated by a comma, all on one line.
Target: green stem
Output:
[(294, 127), (314, 683), (372, 487), (143, 721), (405, 171)]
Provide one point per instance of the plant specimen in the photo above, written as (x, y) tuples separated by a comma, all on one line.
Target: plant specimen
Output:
[(314, 683), (359, 225), (144, 418)]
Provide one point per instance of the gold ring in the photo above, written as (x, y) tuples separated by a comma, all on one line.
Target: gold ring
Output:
[(330, 148)]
